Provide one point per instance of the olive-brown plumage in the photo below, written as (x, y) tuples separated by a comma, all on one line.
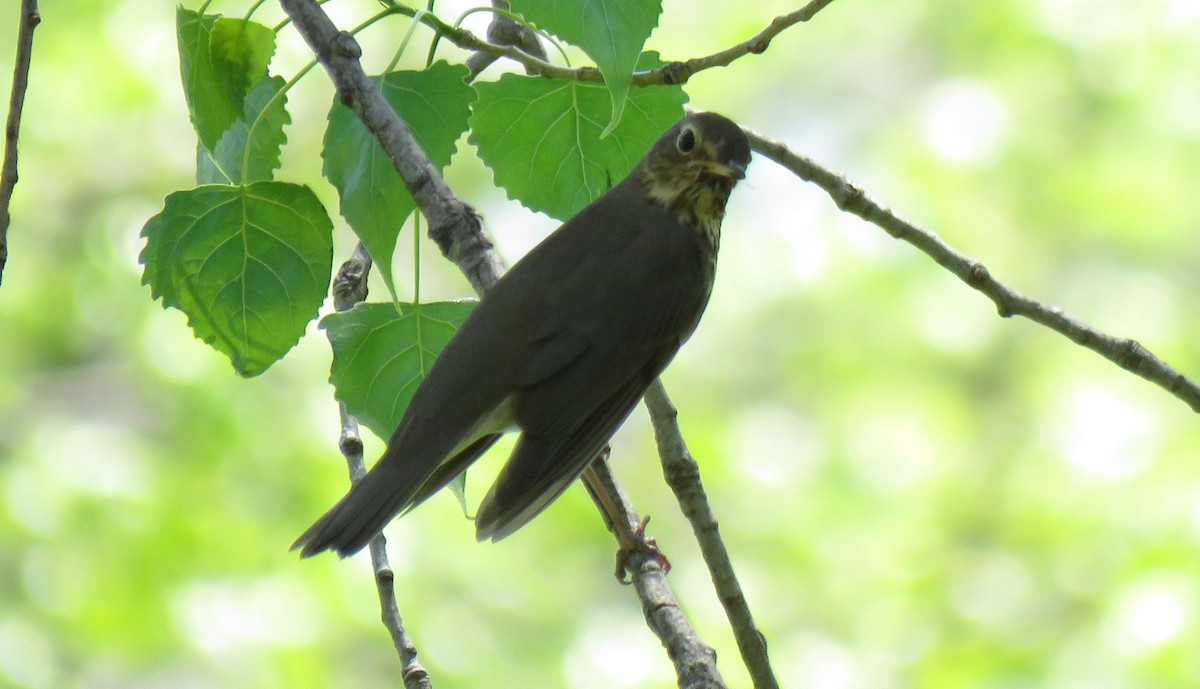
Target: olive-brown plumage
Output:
[(563, 346)]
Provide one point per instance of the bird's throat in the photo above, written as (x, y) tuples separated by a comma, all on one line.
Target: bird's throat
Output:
[(696, 201)]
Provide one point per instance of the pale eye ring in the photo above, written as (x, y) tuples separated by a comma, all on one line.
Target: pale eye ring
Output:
[(686, 143)]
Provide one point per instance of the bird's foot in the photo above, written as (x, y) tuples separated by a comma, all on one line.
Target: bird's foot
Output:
[(634, 541)]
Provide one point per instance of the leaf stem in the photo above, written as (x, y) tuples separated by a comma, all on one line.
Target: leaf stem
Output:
[(253, 8), (416, 259), (262, 113), (412, 27)]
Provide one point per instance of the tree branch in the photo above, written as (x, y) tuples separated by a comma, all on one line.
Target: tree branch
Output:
[(667, 74), (503, 31), (695, 662), (680, 72), (349, 288), (412, 672), (1124, 352), (454, 225), (30, 18), (683, 476)]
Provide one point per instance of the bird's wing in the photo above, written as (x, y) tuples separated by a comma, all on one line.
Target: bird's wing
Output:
[(548, 352), (633, 350), (643, 290), (546, 461), (584, 373)]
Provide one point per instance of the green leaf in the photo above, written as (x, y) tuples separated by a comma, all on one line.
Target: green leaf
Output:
[(211, 112), (224, 164), (241, 51), (611, 32), (248, 265), (542, 139), (381, 355), (435, 103), (220, 59)]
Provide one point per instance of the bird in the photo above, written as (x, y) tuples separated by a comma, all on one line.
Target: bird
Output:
[(562, 347)]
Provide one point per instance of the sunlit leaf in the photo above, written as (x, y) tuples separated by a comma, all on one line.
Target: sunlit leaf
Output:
[(611, 32), (224, 164), (381, 353), (542, 139), (248, 265), (240, 51), (220, 60)]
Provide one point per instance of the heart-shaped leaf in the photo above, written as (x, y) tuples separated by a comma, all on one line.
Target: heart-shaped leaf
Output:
[(611, 32), (381, 353), (249, 265), (542, 139), (220, 60)]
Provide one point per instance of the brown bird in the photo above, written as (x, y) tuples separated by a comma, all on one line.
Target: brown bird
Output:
[(563, 346)]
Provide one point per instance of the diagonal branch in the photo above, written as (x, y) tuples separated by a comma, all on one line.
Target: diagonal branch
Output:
[(1124, 352), (30, 18), (683, 476), (454, 225), (695, 662), (680, 72)]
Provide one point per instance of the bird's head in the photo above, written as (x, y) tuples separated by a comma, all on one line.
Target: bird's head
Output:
[(692, 168)]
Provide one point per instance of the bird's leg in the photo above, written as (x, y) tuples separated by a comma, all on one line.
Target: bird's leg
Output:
[(620, 517)]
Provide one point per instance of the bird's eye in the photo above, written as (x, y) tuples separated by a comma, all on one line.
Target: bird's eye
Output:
[(686, 142)]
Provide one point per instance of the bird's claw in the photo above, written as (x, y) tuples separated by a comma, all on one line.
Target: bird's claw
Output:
[(637, 542)]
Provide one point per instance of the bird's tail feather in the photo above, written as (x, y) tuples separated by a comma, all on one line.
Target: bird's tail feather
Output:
[(386, 491), (350, 524)]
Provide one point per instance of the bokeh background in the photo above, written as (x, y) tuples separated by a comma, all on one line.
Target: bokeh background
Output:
[(916, 493)]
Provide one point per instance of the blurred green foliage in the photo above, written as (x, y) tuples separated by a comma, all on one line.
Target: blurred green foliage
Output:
[(916, 492)]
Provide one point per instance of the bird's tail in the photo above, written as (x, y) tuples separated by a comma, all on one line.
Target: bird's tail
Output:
[(389, 488), (358, 517)]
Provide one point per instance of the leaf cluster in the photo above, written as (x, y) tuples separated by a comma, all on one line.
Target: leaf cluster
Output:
[(248, 256)]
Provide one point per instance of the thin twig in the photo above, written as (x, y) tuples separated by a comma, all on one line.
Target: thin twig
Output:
[(680, 72), (30, 18), (1124, 352), (412, 672), (350, 288), (504, 31), (683, 476), (669, 73)]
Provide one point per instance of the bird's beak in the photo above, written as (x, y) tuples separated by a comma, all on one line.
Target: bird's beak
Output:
[(731, 169)]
